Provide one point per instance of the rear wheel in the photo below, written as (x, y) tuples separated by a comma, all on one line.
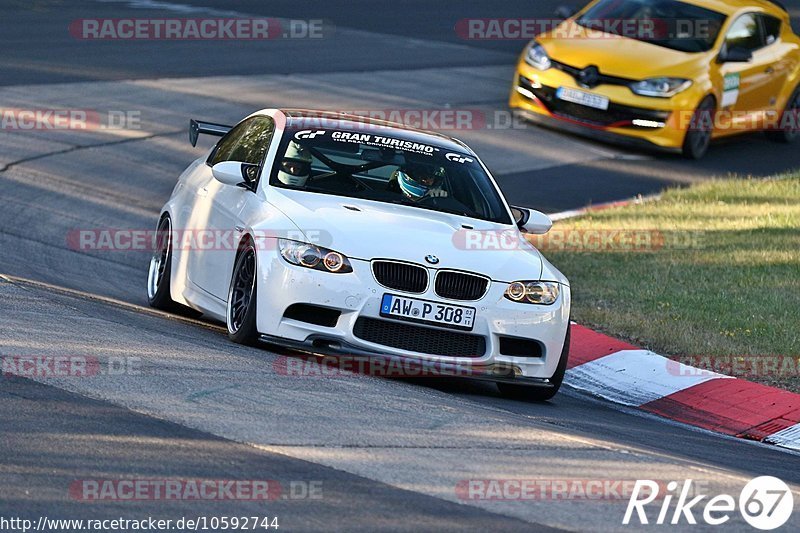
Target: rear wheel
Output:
[(789, 120), (701, 127), (241, 308), (537, 394), (159, 275)]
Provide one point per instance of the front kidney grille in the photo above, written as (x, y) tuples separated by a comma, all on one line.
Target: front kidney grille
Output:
[(401, 276), (419, 339), (460, 285)]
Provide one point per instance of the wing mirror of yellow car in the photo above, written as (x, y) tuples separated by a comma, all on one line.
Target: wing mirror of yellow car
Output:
[(735, 54), (531, 221)]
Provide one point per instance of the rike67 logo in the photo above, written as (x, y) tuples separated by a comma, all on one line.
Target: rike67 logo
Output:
[(765, 503)]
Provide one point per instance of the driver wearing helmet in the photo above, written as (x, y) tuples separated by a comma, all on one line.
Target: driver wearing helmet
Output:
[(295, 166), (417, 182)]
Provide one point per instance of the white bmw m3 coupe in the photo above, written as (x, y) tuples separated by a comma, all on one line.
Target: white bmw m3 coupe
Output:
[(336, 234)]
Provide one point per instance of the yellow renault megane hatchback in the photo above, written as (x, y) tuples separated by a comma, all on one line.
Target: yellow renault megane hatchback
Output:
[(666, 74)]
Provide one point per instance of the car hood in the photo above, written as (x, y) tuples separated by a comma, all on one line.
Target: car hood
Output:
[(363, 229), (618, 56)]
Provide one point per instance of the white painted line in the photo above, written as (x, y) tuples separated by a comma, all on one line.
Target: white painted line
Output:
[(635, 377), (176, 8), (563, 215), (787, 438), (15, 280), (572, 213)]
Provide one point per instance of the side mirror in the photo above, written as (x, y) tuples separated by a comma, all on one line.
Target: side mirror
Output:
[(565, 12), (735, 54), (235, 173), (531, 221)]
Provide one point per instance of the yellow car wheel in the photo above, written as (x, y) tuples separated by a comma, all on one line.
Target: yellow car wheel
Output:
[(701, 127), (791, 132)]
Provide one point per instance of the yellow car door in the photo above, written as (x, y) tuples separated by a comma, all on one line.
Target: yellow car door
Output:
[(748, 85), (782, 65)]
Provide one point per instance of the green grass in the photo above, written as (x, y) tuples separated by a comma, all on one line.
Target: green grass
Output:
[(734, 291)]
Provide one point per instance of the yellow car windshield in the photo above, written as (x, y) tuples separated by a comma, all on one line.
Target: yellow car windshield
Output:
[(668, 23)]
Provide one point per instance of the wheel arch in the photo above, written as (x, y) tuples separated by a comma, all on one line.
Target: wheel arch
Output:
[(178, 262)]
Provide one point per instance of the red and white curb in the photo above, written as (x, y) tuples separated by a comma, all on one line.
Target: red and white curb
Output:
[(627, 375)]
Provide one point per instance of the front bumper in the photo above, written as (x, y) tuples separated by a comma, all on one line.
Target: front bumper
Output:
[(400, 366), (533, 94), (357, 295)]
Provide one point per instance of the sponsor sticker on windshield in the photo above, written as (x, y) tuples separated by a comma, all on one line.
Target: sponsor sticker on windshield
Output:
[(381, 141), (458, 158), (309, 134)]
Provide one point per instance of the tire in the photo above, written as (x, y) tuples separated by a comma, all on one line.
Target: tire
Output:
[(159, 274), (698, 137), (786, 136), (537, 394), (241, 306)]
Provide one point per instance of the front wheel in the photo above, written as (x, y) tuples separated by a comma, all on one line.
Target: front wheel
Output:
[(536, 394), (701, 128), (790, 129), (241, 308), (159, 275)]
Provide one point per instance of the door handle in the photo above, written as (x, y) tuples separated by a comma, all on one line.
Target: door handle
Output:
[(239, 229), (770, 70)]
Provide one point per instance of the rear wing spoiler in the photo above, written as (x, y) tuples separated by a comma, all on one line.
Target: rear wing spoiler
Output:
[(196, 127)]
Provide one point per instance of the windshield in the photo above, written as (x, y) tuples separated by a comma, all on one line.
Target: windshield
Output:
[(666, 23), (384, 166)]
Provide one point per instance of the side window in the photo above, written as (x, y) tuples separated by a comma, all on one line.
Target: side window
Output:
[(745, 33), (247, 142), (226, 144), (772, 28)]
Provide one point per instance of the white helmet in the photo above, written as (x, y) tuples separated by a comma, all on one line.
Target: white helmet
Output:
[(295, 166)]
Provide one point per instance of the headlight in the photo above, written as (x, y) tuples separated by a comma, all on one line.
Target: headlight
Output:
[(533, 292), (315, 257), (537, 57), (661, 87)]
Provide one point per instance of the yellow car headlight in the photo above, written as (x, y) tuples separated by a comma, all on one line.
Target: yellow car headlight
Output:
[(660, 87), (537, 57)]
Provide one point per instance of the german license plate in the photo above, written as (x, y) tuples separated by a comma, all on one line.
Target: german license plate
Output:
[(583, 98), (416, 310)]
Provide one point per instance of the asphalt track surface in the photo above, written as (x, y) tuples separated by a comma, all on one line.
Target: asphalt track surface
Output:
[(389, 454)]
